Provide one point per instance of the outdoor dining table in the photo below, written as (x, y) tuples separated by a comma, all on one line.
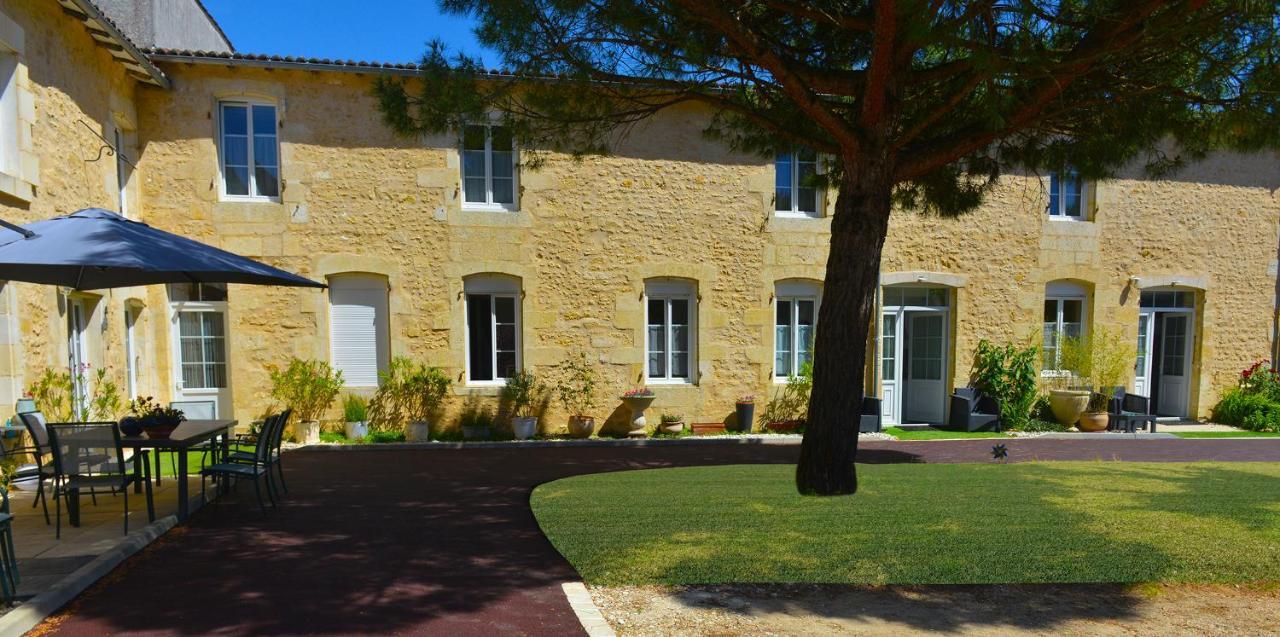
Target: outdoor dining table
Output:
[(187, 435)]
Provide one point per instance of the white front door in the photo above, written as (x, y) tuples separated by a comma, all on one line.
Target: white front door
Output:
[(200, 355), (926, 365), (1175, 355), (889, 372), (1142, 367), (77, 356)]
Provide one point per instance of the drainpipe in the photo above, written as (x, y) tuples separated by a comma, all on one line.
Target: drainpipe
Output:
[(875, 332)]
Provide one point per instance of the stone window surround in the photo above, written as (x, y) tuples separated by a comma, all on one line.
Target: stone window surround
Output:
[(20, 177), (668, 289), (794, 290), (474, 207), (1088, 194), (819, 203), (250, 99), (494, 285), (1059, 291)]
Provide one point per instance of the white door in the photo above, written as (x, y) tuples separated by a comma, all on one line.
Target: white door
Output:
[(926, 362), (131, 351), (1175, 355), (889, 370), (200, 355), (1142, 367), (77, 356)]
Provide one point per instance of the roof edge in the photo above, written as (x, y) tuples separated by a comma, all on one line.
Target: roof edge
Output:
[(134, 57)]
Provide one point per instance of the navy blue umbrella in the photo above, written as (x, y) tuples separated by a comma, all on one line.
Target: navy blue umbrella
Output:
[(94, 249)]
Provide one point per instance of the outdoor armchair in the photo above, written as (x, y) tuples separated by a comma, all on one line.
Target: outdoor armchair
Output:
[(89, 456), (971, 410), (869, 420), (1128, 412), (8, 559), (237, 467)]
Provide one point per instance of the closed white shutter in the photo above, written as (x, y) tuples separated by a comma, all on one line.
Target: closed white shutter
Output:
[(358, 328)]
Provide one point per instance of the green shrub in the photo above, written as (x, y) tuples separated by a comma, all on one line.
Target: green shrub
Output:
[(1040, 424), (1267, 418), (409, 392), (1007, 374), (355, 408), (306, 386), (1245, 407), (376, 437)]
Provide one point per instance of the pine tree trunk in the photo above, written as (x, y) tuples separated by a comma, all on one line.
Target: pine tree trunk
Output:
[(844, 322)]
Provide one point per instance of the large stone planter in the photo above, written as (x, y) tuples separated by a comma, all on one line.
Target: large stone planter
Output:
[(1068, 404), (1096, 421), (418, 431), (581, 426), (524, 427), (308, 432), (357, 430), (637, 405)]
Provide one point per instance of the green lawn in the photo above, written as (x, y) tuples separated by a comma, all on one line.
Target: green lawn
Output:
[(940, 434), (922, 524), (1226, 434)]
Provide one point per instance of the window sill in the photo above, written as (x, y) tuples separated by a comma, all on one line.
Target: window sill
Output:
[(240, 199), (17, 187), (669, 382), (476, 207), (786, 214), (1066, 219)]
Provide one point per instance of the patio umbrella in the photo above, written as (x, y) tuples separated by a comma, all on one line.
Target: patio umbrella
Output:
[(93, 249)]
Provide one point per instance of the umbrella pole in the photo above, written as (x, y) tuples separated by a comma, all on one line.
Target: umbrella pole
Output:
[(18, 229)]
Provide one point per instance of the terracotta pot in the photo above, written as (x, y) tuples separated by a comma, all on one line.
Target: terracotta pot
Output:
[(581, 426), (706, 428), (672, 427), (785, 426), (1096, 421), (1068, 404)]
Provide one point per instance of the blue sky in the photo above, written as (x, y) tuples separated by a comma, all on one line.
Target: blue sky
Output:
[(373, 30)]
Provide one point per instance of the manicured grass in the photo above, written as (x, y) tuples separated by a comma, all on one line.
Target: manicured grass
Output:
[(940, 434), (922, 524), (1226, 434)]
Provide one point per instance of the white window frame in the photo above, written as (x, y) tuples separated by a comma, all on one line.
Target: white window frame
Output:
[(132, 313), (668, 291), (122, 172), (794, 211), (488, 205), (1061, 213), (794, 292), (494, 287), (1059, 292), (253, 195)]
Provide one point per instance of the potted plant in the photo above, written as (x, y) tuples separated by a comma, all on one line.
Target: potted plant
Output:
[(1110, 357), (355, 412), (476, 424), (637, 400), (523, 392), (151, 418), (308, 387), (409, 396), (1069, 391), (672, 423), (786, 411), (577, 394), (746, 410)]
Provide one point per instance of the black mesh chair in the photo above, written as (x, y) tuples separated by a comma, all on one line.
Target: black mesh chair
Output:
[(37, 429), (275, 437), (8, 560), (252, 469), (971, 410), (88, 456)]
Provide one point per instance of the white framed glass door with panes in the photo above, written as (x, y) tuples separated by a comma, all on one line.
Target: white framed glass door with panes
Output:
[(670, 326), (1064, 318), (198, 324), (795, 321), (915, 349)]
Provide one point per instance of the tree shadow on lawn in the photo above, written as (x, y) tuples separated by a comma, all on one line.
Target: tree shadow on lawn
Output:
[(1027, 556)]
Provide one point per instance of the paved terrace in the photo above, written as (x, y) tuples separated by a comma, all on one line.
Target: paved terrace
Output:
[(408, 541)]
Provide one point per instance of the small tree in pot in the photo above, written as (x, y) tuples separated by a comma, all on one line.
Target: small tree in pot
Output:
[(1110, 357), (355, 411), (308, 387), (408, 399), (577, 394), (523, 394)]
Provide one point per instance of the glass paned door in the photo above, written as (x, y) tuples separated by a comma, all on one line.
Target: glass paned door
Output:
[(1175, 354), (200, 353), (1142, 366), (926, 362), (889, 368)]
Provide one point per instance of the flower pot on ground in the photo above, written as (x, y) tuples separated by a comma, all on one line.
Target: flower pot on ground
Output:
[(410, 393), (524, 394), (706, 428), (1098, 364), (638, 400), (789, 406), (355, 413), (1095, 416), (418, 431), (307, 387), (746, 412), (785, 426), (1068, 404), (476, 423), (582, 426), (577, 393), (672, 424)]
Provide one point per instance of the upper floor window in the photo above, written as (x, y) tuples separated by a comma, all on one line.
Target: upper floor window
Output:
[(1066, 195), (795, 317), (493, 328), (1064, 312), (488, 168), (794, 192), (671, 316), (249, 150)]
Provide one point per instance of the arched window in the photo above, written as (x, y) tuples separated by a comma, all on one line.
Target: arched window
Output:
[(493, 328), (358, 342), (1064, 317), (795, 321)]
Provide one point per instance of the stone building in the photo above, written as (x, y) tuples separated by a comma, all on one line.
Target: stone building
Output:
[(673, 263)]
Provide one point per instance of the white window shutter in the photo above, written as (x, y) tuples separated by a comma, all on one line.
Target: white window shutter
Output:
[(357, 329)]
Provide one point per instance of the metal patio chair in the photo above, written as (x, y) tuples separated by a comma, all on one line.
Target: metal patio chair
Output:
[(258, 466), (8, 559), (89, 456)]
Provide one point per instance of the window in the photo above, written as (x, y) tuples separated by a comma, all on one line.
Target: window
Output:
[(122, 172), (9, 138), (795, 315), (358, 343), (1167, 299), (670, 323), (202, 347), (493, 328), (249, 151), (794, 192), (1066, 195), (1063, 318), (488, 168), (78, 313), (199, 292), (131, 361)]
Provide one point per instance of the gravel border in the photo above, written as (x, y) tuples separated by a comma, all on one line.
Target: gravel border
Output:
[(746, 439)]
